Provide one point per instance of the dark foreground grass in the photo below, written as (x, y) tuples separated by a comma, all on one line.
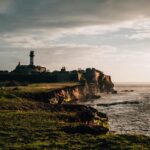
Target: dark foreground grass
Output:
[(28, 124), (43, 130)]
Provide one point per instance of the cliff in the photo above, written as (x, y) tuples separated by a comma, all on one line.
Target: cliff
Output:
[(54, 93), (26, 123), (93, 79), (89, 75), (85, 84), (78, 92)]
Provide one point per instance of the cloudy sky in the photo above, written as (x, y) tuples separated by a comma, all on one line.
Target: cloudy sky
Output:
[(110, 35)]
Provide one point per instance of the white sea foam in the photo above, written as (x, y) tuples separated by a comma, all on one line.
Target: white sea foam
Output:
[(128, 112)]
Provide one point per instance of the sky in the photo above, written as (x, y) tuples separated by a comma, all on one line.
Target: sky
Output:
[(110, 35)]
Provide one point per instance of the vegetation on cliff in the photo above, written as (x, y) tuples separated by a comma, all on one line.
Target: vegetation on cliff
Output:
[(29, 124)]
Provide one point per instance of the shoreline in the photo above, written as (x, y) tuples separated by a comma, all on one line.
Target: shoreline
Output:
[(28, 123)]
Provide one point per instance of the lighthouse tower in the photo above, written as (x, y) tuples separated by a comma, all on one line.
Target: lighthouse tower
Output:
[(31, 58)]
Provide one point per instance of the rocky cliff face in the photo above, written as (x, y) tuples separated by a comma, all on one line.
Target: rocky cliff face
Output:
[(81, 92), (92, 83)]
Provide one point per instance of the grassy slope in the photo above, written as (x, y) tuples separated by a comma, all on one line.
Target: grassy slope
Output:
[(42, 129), (38, 92), (28, 125), (41, 87)]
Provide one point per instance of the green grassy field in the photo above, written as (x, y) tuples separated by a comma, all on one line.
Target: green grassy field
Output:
[(41, 129), (40, 87), (27, 124), (38, 92)]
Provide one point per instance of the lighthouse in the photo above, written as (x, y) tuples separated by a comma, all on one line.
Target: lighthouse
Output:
[(31, 58)]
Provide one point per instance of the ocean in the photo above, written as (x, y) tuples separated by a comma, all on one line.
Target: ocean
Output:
[(128, 111)]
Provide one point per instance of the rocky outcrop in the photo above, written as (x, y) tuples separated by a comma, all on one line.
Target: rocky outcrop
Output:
[(92, 83), (78, 118), (66, 94), (91, 121), (69, 94), (76, 93)]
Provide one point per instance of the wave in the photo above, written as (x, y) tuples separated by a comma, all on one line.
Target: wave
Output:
[(118, 103)]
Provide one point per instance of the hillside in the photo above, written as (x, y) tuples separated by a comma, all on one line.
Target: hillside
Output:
[(30, 124)]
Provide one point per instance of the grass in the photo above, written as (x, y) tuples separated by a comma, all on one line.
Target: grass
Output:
[(38, 92), (27, 124), (43, 129), (40, 87)]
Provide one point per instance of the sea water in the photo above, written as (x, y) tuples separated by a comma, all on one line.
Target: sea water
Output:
[(128, 111)]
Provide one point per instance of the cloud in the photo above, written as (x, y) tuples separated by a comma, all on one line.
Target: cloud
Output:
[(49, 14), (44, 38), (70, 55), (36, 23), (140, 29), (140, 36), (78, 33), (5, 6)]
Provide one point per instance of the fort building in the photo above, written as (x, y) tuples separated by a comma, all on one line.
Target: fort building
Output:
[(96, 80), (29, 69)]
